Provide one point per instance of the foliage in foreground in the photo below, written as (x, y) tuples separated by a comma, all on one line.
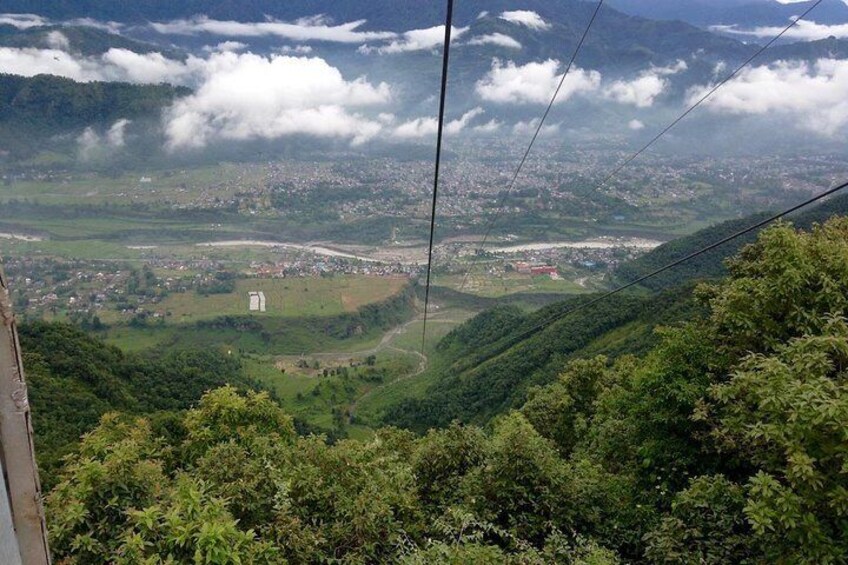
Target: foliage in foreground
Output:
[(75, 378), (726, 443)]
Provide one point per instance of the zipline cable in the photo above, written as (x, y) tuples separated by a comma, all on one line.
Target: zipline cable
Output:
[(674, 123), (706, 96), (681, 261), (442, 103), (538, 131)]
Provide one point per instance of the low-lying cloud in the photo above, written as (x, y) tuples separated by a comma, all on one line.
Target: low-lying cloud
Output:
[(237, 96), (529, 128), (644, 90), (814, 96), (803, 30), (307, 29), (28, 21), (91, 144), (416, 40), (526, 18), (22, 21), (427, 127), (533, 83), (247, 96), (498, 39)]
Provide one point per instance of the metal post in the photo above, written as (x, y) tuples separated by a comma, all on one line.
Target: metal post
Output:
[(22, 488)]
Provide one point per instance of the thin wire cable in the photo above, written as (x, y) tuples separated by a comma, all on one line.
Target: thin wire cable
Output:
[(442, 104), (500, 208), (707, 96), (679, 262), (679, 119)]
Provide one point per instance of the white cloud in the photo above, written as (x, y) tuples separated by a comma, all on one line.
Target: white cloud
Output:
[(114, 65), (91, 144), (226, 46), (533, 83), (491, 126), (297, 49), (416, 40), (88, 142), (815, 95), (247, 96), (529, 128), (526, 18), (636, 125), (31, 62), (237, 96), (640, 92), (804, 30), (115, 137), (27, 21), (499, 39), (673, 69), (483, 14), (22, 21), (124, 64), (57, 40), (426, 127), (306, 29), (111, 27), (644, 89)]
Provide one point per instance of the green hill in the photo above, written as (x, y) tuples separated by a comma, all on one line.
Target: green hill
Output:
[(34, 111), (711, 264), (485, 367), (74, 379), (725, 442)]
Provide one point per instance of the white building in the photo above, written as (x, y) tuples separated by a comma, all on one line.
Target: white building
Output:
[(257, 301)]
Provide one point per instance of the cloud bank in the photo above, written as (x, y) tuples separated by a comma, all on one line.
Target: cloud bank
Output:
[(644, 90), (814, 96), (802, 31), (247, 96), (238, 96), (307, 29), (416, 40), (533, 83), (498, 39), (22, 21), (91, 144), (427, 127)]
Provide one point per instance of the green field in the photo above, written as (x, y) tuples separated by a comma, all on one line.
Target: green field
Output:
[(326, 402), (480, 283), (181, 186), (287, 298)]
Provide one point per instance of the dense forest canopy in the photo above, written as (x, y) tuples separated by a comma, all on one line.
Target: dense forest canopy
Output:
[(32, 109), (75, 378), (727, 442)]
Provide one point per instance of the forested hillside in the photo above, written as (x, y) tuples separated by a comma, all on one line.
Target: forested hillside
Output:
[(725, 442), (34, 109), (487, 366), (711, 264), (74, 379)]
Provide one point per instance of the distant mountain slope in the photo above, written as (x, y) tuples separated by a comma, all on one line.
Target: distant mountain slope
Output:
[(745, 13), (616, 35), (84, 40), (38, 108), (711, 265)]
